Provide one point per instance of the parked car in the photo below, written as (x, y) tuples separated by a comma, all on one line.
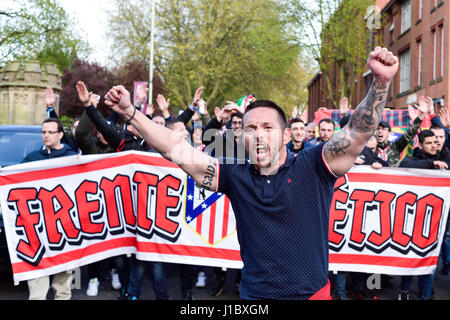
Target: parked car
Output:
[(15, 143)]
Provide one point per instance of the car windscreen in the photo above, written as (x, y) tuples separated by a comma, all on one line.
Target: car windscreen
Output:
[(14, 146)]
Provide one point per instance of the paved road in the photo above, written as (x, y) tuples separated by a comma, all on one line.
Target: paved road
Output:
[(10, 292)]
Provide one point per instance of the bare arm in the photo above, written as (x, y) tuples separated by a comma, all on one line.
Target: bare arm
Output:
[(341, 151), (170, 144)]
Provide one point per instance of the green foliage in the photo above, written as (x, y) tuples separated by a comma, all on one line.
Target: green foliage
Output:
[(231, 48), (335, 34), (67, 123), (38, 29)]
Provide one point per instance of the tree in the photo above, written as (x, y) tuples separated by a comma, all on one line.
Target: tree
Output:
[(335, 34), (138, 70), (38, 29), (98, 80), (130, 29), (231, 48)]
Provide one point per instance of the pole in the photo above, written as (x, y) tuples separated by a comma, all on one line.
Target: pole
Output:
[(152, 39)]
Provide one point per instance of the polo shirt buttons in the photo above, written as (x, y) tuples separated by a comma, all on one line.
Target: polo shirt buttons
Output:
[(268, 181)]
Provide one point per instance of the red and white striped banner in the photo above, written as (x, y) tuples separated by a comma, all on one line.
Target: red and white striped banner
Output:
[(389, 221), (68, 212), (64, 213)]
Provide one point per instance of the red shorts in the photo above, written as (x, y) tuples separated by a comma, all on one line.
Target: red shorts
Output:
[(322, 294)]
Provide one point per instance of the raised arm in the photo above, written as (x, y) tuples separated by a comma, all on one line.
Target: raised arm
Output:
[(110, 134), (342, 150), (170, 144)]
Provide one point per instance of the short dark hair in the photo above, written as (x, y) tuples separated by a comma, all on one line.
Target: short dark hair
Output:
[(236, 114), (172, 122), (296, 120), (57, 121), (436, 127), (425, 134), (269, 104), (328, 120)]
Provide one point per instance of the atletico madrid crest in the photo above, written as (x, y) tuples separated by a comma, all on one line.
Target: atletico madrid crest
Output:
[(209, 214)]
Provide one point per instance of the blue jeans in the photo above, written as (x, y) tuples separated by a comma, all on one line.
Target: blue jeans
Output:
[(187, 278), (131, 273), (425, 284), (446, 244), (339, 284), (159, 281)]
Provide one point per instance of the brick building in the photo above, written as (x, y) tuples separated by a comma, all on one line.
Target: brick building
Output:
[(417, 31)]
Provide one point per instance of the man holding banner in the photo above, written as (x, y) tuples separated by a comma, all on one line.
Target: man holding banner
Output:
[(282, 226), (52, 133), (426, 156)]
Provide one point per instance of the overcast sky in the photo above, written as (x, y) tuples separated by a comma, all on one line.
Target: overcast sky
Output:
[(91, 16)]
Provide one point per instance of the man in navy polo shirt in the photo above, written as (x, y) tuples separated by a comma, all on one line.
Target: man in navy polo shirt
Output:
[(281, 201)]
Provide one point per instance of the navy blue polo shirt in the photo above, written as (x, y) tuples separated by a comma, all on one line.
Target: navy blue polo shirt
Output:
[(282, 225)]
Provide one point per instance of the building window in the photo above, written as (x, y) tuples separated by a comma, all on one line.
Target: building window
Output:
[(404, 71), (391, 32), (406, 15), (419, 63), (441, 28), (434, 52), (420, 9)]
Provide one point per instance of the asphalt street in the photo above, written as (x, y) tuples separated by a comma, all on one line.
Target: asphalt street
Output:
[(387, 292)]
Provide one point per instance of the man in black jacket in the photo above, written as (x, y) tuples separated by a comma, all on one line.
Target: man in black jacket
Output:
[(427, 156)]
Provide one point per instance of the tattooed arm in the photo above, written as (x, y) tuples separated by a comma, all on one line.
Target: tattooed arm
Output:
[(170, 144), (342, 150)]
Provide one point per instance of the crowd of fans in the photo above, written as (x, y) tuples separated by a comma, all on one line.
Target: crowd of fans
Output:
[(222, 136)]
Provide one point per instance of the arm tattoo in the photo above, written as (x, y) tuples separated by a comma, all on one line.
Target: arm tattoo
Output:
[(368, 114), (210, 172), (338, 144), (364, 120)]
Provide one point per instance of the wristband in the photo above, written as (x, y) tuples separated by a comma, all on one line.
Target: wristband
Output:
[(193, 108), (50, 109), (132, 117)]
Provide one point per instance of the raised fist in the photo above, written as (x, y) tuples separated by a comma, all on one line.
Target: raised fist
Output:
[(118, 98), (383, 64)]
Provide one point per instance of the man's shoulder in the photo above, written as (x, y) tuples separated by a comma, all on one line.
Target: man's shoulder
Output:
[(34, 155), (67, 151), (445, 156)]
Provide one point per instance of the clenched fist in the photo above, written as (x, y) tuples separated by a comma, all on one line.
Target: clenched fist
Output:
[(383, 64)]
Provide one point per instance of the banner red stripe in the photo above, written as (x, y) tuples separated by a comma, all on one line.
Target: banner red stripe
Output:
[(212, 223), (199, 224), (401, 262), (88, 167), (398, 179), (144, 247), (20, 267), (226, 213), (192, 251)]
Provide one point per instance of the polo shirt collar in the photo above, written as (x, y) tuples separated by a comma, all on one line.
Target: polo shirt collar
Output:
[(290, 158)]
